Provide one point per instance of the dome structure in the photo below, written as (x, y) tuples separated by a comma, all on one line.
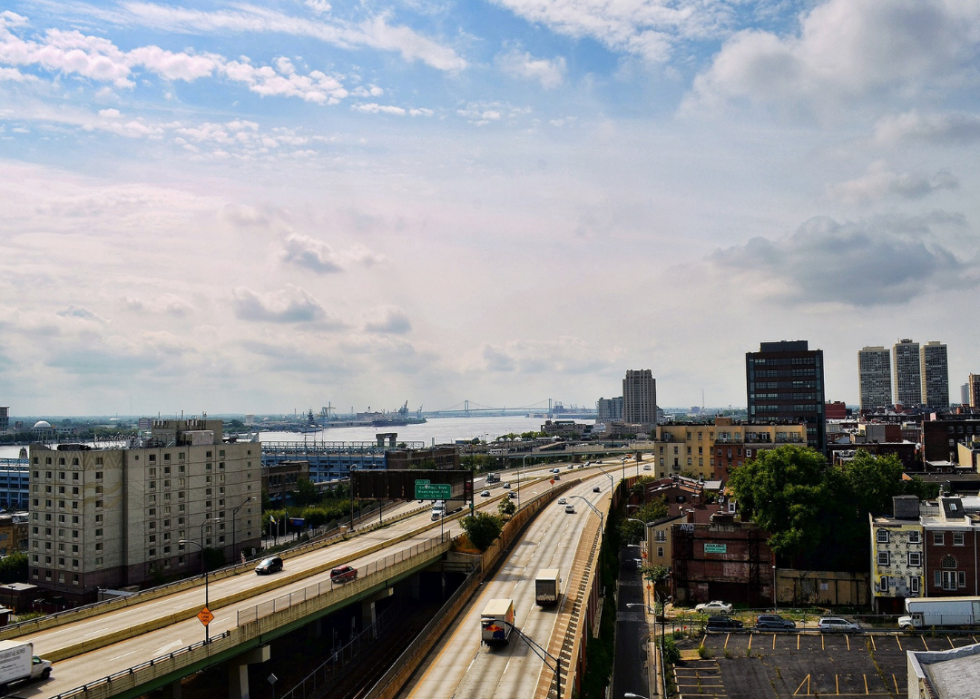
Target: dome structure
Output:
[(42, 425)]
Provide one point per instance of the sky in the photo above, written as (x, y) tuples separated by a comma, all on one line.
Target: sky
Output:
[(261, 207)]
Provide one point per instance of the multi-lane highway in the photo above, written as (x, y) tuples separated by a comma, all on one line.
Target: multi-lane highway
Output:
[(98, 663), (460, 667)]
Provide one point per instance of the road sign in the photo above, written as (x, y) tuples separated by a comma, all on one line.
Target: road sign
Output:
[(432, 491), (205, 616)]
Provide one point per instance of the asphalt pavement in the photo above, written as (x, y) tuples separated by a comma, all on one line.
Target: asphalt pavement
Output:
[(629, 667)]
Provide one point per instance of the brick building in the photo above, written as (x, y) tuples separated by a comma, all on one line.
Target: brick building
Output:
[(942, 432)]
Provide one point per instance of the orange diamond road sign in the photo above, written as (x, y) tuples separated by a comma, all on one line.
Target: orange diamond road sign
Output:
[(205, 616)]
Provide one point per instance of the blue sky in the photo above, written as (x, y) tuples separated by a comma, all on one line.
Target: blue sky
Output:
[(267, 206)]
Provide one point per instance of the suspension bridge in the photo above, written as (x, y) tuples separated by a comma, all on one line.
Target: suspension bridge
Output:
[(548, 407)]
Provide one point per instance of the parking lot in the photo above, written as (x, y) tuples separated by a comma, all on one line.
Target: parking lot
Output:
[(778, 665)]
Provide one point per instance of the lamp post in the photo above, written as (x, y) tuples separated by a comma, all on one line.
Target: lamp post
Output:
[(623, 460), (234, 525), (775, 601), (608, 475), (540, 652), (350, 483), (520, 473), (204, 566), (591, 507), (639, 521)]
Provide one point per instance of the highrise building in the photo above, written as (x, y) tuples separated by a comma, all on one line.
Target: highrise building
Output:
[(908, 373), (785, 381), (965, 393), (974, 389), (4, 419), (875, 377), (114, 517), (935, 375), (639, 397), (609, 409)]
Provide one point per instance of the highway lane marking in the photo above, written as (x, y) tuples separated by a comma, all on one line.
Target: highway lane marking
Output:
[(163, 649), (125, 654), (96, 632)]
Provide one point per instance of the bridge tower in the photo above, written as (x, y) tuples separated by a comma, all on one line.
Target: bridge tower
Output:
[(466, 407)]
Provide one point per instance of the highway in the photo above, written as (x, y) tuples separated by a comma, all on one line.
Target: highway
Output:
[(460, 666), (95, 664)]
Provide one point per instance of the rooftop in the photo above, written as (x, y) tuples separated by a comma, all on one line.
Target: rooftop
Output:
[(950, 674)]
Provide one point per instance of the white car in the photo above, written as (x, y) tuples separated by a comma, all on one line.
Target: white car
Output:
[(714, 607), (485, 494), (570, 509), (836, 623), (562, 501)]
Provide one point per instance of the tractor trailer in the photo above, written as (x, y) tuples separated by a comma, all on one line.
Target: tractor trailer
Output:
[(497, 621), (940, 611), (18, 662), (547, 586)]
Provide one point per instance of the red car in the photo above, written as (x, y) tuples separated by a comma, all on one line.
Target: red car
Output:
[(343, 574)]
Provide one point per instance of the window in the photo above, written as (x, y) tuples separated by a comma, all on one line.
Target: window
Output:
[(661, 535), (884, 558), (948, 562), (882, 536), (961, 578), (938, 539), (98, 475), (915, 558), (883, 585), (959, 539), (660, 551)]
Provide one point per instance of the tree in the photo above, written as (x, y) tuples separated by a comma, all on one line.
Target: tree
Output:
[(650, 512), (306, 492), (786, 491), (482, 529), (506, 507), (13, 568)]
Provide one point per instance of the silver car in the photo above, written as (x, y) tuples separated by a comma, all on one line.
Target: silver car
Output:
[(836, 623)]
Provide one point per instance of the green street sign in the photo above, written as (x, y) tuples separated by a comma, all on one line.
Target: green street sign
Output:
[(424, 490)]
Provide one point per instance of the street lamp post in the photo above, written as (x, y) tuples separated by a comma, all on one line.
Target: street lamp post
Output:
[(608, 475), (540, 652), (234, 526), (350, 483), (775, 600), (204, 566)]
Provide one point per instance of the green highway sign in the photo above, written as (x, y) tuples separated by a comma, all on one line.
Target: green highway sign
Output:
[(424, 490)]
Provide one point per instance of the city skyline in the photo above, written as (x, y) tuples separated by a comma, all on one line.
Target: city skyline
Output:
[(221, 208)]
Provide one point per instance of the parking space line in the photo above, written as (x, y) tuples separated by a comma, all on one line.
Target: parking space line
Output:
[(899, 642), (806, 681), (822, 647), (774, 641), (798, 636), (924, 642), (727, 636), (951, 644), (866, 690), (895, 680), (848, 639), (837, 684), (750, 642), (874, 646)]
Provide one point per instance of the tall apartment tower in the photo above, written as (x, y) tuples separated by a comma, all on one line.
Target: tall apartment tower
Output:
[(935, 375), (785, 381), (114, 517), (609, 409), (639, 397), (875, 376), (965, 393), (908, 373), (974, 390)]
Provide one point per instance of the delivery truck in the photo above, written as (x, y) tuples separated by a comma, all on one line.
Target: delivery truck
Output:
[(940, 611), (18, 662), (497, 621), (547, 586)]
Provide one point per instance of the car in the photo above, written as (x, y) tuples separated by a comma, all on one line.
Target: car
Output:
[(597, 489), (581, 465), (646, 467), (723, 623), (773, 621), (836, 623), (569, 509), (556, 477), (714, 607), (343, 574), (506, 486), (556, 470), (512, 494), (485, 494), (570, 467), (562, 501), (269, 565)]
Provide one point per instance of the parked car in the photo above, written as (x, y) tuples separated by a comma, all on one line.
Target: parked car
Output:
[(714, 607), (343, 574), (569, 509), (836, 623), (773, 621), (597, 489), (723, 623), (485, 494), (268, 566), (562, 501)]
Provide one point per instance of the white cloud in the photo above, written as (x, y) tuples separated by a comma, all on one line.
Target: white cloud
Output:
[(950, 128), (847, 50), (319, 6), (566, 355), (264, 80), (110, 113), (374, 32), (420, 111), (880, 181), (387, 320), (289, 305), (521, 64), (646, 28), (374, 108)]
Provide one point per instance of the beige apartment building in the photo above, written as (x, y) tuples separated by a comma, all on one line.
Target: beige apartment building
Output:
[(112, 517), (713, 450)]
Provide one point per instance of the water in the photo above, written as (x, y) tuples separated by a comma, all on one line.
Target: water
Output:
[(442, 430)]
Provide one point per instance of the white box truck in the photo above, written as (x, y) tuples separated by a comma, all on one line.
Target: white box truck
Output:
[(924, 613), (547, 586), (497, 621), (18, 662)]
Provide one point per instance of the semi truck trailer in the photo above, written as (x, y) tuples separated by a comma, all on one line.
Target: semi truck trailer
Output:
[(547, 586), (497, 621), (940, 611)]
